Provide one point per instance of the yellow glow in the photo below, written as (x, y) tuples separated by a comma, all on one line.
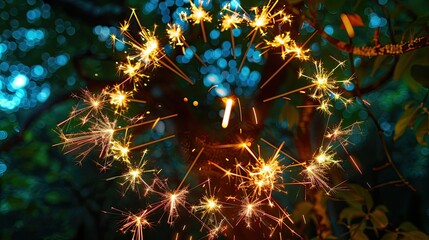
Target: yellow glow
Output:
[(249, 208), (227, 113), (348, 25), (95, 103), (135, 173), (230, 21)]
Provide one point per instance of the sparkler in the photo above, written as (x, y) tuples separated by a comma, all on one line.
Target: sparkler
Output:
[(148, 53), (262, 177), (249, 211), (198, 16), (211, 216), (175, 33), (90, 104), (317, 176), (100, 135), (135, 223), (297, 52), (340, 135), (170, 201), (133, 177), (326, 88), (262, 20)]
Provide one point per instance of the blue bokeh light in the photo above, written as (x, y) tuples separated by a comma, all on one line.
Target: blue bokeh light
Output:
[(3, 166), (44, 93), (214, 34), (349, 87), (3, 135), (37, 71), (375, 21), (19, 81), (329, 29), (61, 60)]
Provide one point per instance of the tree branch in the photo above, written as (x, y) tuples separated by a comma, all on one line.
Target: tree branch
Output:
[(372, 51), (31, 118)]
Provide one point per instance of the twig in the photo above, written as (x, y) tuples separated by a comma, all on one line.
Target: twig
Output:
[(385, 184), (374, 120)]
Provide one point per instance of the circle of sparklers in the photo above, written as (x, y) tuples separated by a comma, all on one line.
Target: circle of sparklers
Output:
[(106, 127)]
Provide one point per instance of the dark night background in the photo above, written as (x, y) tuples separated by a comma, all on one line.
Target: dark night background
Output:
[(51, 50)]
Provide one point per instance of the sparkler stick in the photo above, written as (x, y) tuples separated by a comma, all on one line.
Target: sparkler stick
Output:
[(284, 153), (308, 106), (155, 123), (290, 92), (194, 52), (239, 107), (152, 142), (232, 43), (190, 168), (232, 145), (254, 114), (355, 163), (247, 50), (204, 32), (250, 151), (136, 100), (176, 69), (228, 172), (146, 122)]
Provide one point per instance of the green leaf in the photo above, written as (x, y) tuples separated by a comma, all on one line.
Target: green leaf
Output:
[(418, 235), (351, 213), (356, 196), (402, 65), (379, 219), (331, 238), (379, 60), (16, 203), (294, 1), (407, 226), (421, 20), (333, 4), (382, 208), (420, 73), (404, 121), (290, 114), (390, 236), (359, 235), (53, 197), (422, 130)]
